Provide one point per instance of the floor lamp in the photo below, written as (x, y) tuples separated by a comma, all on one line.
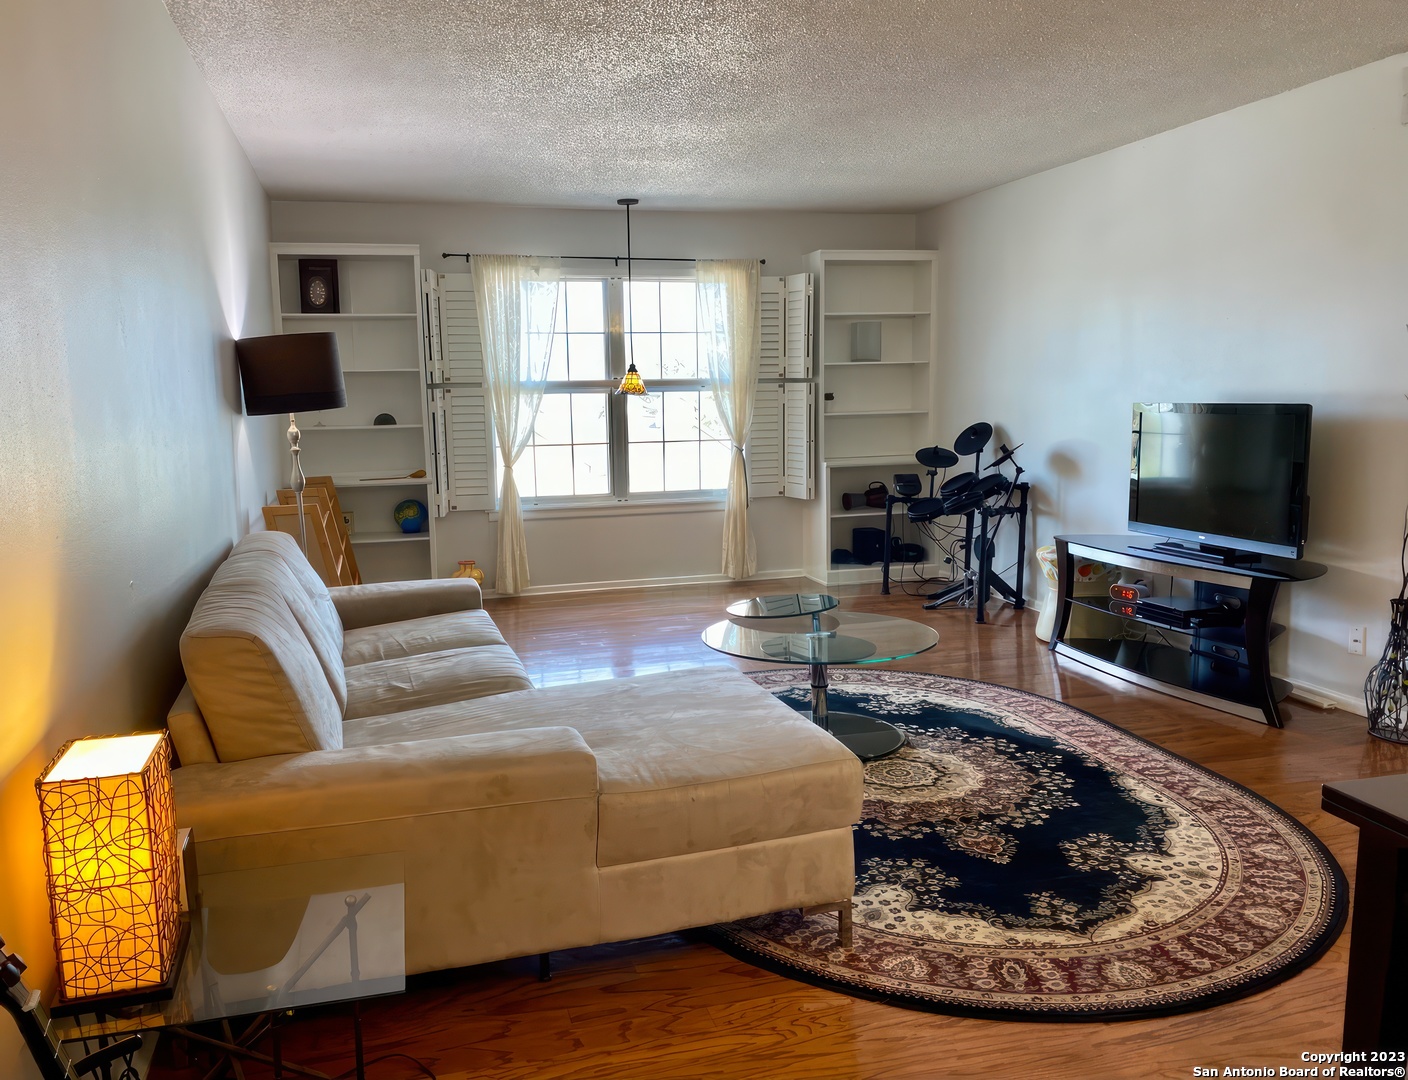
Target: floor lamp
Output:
[(291, 373)]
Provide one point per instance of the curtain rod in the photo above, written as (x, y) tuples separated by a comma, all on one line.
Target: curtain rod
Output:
[(466, 255)]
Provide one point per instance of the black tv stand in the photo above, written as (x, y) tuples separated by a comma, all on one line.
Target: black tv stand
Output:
[(1209, 553), (1224, 664)]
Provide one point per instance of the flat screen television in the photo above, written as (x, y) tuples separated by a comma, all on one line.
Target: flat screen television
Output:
[(1224, 482)]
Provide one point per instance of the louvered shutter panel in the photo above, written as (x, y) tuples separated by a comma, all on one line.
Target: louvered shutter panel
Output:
[(434, 399), (797, 326), (772, 300), (763, 451), (780, 442), (798, 427), (430, 301), (469, 434), (464, 351)]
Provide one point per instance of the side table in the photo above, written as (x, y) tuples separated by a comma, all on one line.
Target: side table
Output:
[(266, 941), (1376, 997)]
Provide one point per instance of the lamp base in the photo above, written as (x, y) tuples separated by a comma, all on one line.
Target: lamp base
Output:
[(111, 1003)]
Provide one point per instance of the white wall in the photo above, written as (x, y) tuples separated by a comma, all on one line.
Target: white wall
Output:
[(132, 252), (639, 547), (1258, 255)]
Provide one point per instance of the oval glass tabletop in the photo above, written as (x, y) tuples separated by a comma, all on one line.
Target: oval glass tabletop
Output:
[(782, 606), (846, 637)]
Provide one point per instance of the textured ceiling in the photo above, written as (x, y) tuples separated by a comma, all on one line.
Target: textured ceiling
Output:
[(800, 104)]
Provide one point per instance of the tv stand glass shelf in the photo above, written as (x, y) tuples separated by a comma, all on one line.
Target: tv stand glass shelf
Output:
[(1217, 655)]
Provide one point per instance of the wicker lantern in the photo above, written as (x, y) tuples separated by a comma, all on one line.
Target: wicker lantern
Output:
[(114, 877)]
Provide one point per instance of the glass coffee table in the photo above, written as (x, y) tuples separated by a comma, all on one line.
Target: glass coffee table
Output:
[(807, 628)]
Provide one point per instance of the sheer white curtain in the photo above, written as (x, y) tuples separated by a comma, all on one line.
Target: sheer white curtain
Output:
[(517, 298), (728, 325)]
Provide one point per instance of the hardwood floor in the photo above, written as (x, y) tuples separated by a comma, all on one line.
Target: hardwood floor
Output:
[(670, 1007)]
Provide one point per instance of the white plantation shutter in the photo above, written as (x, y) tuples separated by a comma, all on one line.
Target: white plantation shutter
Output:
[(772, 303), (797, 326), (464, 352), (799, 402), (781, 442), (468, 435), (764, 449)]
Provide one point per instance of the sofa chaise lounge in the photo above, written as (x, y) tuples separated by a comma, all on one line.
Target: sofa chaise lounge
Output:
[(319, 724)]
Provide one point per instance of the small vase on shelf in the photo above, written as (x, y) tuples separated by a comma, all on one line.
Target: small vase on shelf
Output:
[(469, 570)]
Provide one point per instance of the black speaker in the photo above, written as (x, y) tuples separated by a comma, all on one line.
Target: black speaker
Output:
[(868, 545)]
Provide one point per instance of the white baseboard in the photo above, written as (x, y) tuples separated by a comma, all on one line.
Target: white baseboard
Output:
[(1319, 696), (645, 583)]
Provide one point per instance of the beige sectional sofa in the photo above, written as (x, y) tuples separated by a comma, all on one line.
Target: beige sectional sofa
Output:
[(319, 724)]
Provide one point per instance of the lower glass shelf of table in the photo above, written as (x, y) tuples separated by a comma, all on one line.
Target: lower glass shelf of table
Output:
[(818, 640)]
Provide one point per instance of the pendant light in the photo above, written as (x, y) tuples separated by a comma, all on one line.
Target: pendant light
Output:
[(631, 382)]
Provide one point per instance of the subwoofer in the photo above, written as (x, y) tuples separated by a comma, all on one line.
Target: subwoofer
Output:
[(868, 545)]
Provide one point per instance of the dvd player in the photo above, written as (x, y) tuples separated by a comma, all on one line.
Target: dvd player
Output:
[(1185, 611)]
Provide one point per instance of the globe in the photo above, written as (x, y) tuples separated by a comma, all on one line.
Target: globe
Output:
[(410, 514)]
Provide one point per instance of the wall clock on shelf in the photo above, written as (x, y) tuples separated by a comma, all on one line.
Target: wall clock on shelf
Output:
[(317, 286)]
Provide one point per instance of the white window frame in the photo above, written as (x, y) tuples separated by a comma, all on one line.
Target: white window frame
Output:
[(617, 425), (781, 447)]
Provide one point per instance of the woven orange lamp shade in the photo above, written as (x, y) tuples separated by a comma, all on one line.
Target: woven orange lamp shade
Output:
[(114, 877)]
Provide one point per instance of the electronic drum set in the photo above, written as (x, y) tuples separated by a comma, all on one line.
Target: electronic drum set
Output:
[(981, 496)]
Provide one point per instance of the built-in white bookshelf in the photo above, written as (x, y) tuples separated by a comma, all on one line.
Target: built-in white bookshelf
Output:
[(379, 334), (875, 413)]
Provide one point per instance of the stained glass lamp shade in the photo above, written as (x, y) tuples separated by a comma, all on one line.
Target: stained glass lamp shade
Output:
[(114, 877)]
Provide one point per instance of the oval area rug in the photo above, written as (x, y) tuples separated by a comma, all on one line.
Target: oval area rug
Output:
[(1019, 858)]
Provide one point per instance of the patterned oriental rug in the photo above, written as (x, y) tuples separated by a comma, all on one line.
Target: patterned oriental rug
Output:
[(1022, 859)]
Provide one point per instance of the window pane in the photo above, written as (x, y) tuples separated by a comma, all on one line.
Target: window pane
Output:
[(524, 475), (679, 356), (643, 420), (553, 425), (554, 465), (681, 415), (645, 351), (710, 426), (713, 465), (557, 362), (586, 307), (677, 306), (647, 464), (681, 466), (588, 418), (591, 469), (643, 306), (586, 356)]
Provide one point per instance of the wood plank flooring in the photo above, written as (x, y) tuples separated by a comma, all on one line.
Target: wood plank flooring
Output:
[(670, 1007)]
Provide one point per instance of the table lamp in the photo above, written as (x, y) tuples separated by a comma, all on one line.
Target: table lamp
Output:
[(291, 373), (114, 877)]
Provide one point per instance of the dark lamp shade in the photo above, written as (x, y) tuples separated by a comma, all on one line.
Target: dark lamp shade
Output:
[(290, 373)]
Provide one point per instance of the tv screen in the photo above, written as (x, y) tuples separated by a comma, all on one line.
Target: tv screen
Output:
[(1222, 475)]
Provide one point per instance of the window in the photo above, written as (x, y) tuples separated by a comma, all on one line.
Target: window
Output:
[(592, 446), (589, 443)]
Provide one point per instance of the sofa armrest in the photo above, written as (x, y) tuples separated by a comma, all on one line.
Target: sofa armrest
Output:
[(292, 792), (397, 601)]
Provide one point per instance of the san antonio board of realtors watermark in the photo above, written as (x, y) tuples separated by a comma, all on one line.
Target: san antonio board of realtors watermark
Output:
[(1348, 1063)]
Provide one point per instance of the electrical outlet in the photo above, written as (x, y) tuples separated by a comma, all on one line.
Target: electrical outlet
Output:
[(1356, 640)]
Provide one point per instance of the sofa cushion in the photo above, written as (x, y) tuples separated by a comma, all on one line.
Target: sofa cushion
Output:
[(189, 735), (278, 554), (254, 674), (688, 761), (417, 682), (414, 637)]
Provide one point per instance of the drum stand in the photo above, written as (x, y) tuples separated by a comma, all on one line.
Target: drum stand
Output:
[(976, 586)]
